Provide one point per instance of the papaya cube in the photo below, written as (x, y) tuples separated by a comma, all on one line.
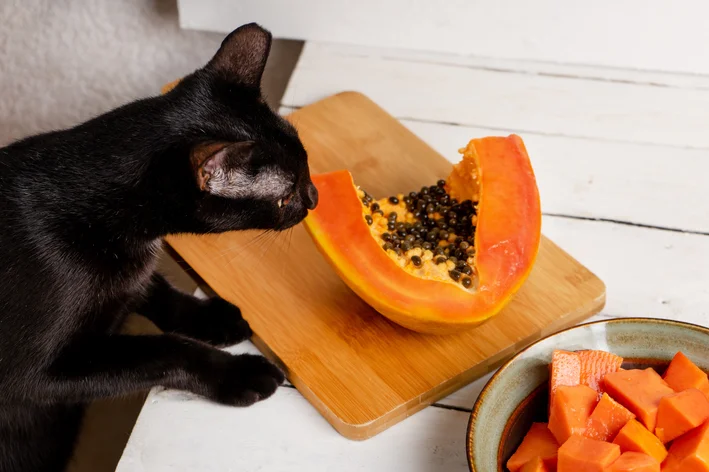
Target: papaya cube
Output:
[(538, 442), (581, 454), (634, 462), (535, 465), (635, 437), (689, 453), (607, 419), (640, 391), (681, 412), (683, 374), (595, 365), (570, 410)]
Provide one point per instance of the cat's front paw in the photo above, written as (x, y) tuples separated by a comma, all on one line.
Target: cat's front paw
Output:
[(246, 379), (218, 323)]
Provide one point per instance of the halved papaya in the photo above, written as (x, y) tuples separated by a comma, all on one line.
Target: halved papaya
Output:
[(442, 259)]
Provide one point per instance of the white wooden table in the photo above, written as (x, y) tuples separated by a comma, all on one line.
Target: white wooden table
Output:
[(622, 161)]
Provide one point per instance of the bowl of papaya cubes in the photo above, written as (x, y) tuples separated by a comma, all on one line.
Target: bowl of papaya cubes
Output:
[(619, 395)]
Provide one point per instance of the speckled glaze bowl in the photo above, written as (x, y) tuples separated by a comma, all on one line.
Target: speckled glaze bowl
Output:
[(517, 394)]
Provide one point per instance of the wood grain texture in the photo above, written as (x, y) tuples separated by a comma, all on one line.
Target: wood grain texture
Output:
[(360, 371), (649, 272)]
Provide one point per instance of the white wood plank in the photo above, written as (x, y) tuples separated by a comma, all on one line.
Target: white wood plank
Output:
[(635, 183), (178, 432), (614, 111), (529, 67), (648, 272), (638, 34)]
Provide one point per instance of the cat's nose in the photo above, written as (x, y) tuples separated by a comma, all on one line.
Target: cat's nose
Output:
[(311, 200)]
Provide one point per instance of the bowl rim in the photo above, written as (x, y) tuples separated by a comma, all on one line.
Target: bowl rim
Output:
[(490, 383)]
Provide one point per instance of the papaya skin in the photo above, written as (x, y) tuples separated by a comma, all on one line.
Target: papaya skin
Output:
[(496, 171)]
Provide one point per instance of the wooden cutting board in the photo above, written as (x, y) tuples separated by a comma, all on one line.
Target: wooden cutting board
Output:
[(362, 372)]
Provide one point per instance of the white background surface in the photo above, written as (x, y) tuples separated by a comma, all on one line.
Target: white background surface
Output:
[(636, 34), (621, 158)]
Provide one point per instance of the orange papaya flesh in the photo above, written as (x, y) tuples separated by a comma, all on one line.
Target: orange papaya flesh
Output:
[(679, 413), (640, 391), (683, 374), (496, 177), (581, 454), (537, 442), (535, 465), (570, 411), (634, 462), (690, 452), (634, 437), (607, 419)]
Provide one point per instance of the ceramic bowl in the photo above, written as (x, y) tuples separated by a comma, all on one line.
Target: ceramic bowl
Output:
[(517, 394)]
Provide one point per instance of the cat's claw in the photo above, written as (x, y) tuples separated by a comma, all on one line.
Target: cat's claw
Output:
[(218, 323), (246, 379)]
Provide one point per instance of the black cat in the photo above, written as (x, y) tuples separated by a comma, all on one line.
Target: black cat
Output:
[(82, 214)]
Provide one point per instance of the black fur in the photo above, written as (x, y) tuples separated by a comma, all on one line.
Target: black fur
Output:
[(82, 214)]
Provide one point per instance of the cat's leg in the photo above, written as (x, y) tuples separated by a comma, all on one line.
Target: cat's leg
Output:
[(36, 438), (214, 320), (99, 366)]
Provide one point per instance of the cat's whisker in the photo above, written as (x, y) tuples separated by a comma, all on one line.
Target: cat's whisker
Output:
[(239, 249), (286, 250), (256, 243), (272, 239)]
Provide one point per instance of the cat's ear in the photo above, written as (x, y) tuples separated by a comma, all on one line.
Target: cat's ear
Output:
[(242, 55), (214, 164)]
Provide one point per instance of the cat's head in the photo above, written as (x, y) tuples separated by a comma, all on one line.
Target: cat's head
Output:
[(247, 164)]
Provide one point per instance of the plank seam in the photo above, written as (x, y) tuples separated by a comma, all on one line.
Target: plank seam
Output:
[(532, 132), (452, 407), (628, 223), (518, 66), (541, 133), (557, 75)]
